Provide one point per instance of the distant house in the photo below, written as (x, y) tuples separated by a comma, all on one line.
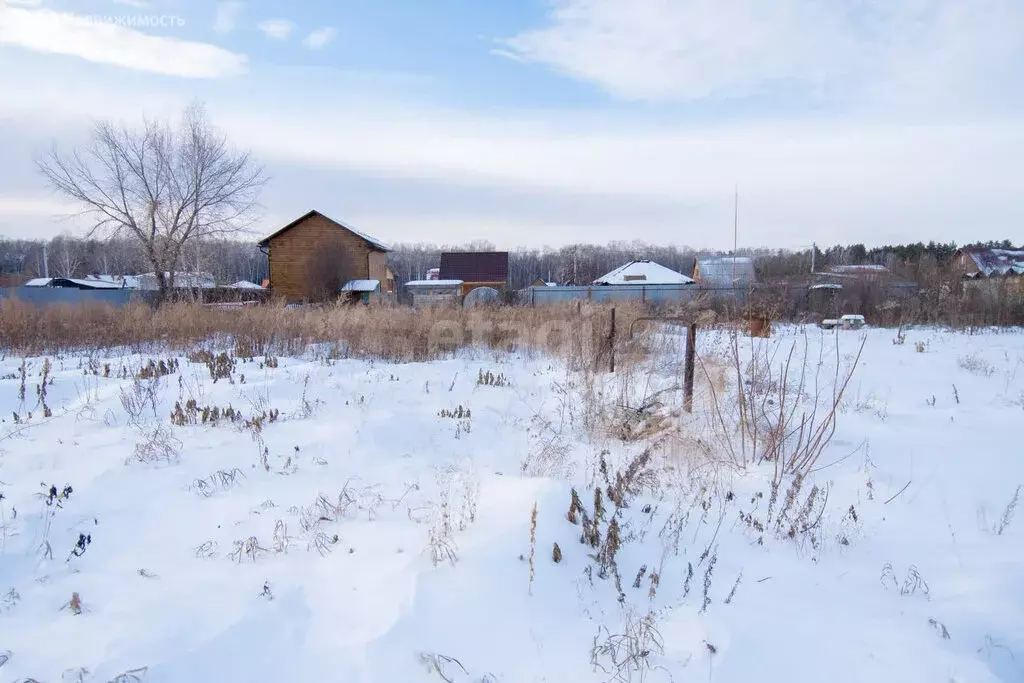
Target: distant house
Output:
[(475, 269), (991, 271), (314, 256), (182, 280), (865, 271), (643, 272), (428, 293), (724, 272), (980, 263), (540, 282), (836, 278)]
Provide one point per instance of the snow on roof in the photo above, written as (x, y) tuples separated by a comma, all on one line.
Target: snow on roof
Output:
[(827, 285), (97, 283), (860, 269), (998, 261), (643, 272), (83, 283), (181, 279), (361, 286), (347, 226), (433, 283), (244, 284)]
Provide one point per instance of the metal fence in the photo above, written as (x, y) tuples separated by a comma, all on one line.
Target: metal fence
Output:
[(652, 294), (46, 296)]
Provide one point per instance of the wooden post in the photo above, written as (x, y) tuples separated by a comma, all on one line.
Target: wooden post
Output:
[(688, 367), (611, 345), (533, 296)]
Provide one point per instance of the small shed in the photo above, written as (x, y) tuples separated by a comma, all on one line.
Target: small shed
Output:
[(427, 293), (475, 269), (360, 290)]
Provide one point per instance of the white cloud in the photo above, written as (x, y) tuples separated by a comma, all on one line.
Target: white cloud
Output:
[(320, 37), (133, 3), (227, 15), (278, 29), (845, 49), (548, 177), (104, 42), (19, 206)]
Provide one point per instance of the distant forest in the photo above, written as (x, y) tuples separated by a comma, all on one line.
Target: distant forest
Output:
[(230, 261)]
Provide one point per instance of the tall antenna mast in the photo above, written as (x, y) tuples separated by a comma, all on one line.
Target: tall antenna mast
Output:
[(735, 230)]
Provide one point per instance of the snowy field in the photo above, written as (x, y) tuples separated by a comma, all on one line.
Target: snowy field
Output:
[(308, 519)]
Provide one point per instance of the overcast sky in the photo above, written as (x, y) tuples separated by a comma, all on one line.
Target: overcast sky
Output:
[(547, 122)]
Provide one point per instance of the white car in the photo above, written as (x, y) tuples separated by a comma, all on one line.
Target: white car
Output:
[(847, 322)]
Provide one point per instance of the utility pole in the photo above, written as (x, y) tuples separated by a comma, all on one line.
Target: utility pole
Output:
[(814, 256)]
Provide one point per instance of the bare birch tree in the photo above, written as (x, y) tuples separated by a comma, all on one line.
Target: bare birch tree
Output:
[(67, 255), (164, 187)]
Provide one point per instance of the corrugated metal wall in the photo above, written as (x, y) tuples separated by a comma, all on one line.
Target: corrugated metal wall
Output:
[(45, 296), (653, 294)]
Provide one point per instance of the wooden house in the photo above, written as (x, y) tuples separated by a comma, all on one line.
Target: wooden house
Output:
[(314, 257)]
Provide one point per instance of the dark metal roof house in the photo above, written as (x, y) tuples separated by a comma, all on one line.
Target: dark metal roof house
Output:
[(475, 269)]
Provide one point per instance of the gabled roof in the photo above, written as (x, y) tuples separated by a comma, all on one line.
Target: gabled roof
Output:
[(474, 266), (372, 241), (997, 261), (643, 272)]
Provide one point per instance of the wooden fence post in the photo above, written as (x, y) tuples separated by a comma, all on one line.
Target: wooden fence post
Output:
[(688, 367), (611, 345)]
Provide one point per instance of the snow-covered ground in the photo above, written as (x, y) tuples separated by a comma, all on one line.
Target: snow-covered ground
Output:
[(397, 523)]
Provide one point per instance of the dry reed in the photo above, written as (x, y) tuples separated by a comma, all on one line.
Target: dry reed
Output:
[(579, 334)]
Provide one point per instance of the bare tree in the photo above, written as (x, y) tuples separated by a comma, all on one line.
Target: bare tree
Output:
[(67, 255), (162, 187)]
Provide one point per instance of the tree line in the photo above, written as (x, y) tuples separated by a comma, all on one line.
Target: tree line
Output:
[(231, 260)]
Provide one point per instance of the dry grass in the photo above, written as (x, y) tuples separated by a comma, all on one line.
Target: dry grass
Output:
[(389, 333)]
